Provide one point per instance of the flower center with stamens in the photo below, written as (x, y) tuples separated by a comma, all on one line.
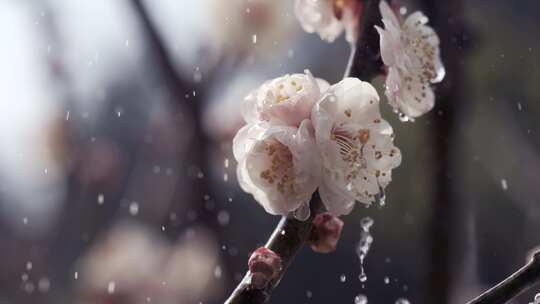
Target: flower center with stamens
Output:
[(280, 172), (285, 88), (351, 148)]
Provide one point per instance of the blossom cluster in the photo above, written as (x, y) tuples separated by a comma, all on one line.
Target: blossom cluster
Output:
[(303, 134), (409, 48)]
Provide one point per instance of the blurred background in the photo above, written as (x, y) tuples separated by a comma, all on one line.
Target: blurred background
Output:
[(117, 181)]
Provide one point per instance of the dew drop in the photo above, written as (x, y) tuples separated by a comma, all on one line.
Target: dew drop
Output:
[(44, 285), (403, 10), (218, 272), (223, 218), (303, 212)]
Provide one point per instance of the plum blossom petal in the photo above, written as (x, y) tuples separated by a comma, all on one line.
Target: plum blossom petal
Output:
[(278, 165), (317, 16), (411, 51), (329, 18), (285, 100), (356, 145)]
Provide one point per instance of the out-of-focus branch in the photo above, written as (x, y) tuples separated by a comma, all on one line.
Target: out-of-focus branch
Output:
[(365, 62), (447, 211), (159, 54), (512, 286)]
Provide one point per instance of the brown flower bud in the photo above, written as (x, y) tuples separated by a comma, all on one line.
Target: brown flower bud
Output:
[(264, 265), (326, 232)]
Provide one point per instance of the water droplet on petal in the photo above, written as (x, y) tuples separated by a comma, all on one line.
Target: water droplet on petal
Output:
[(303, 212)]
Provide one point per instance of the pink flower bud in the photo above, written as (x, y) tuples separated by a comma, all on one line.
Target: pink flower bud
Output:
[(264, 265), (326, 232)]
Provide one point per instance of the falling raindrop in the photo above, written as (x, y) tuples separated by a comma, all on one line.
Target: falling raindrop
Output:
[(254, 38), (76, 275), (309, 294), (342, 278), (111, 287), (360, 299), (197, 75), (386, 280), (28, 266), (504, 184), (134, 208), (364, 244), (226, 163), (100, 199), (402, 301)]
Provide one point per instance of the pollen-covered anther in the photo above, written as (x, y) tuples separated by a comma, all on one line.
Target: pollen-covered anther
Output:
[(363, 136), (281, 166), (264, 265), (326, 232)]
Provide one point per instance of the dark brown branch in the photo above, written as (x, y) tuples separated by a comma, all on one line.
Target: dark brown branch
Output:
[(447, 210), (514, 285), (286, 240)]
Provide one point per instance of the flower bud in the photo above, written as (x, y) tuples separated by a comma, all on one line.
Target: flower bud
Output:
[(264, 265), (326, 232)]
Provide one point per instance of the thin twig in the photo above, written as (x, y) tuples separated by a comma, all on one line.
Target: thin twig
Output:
[(514, 285), (365, 61), (290, 234)]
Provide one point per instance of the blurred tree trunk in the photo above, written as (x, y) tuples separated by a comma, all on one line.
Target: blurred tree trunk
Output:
[(446, 227)]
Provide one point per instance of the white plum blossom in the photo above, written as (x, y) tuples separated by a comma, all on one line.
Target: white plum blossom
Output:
[(328, 18), (278, 165), (410, 49), (285, 100), (355, 144)]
